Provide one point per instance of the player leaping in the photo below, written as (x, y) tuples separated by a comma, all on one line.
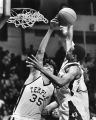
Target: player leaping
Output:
[(37, 90)]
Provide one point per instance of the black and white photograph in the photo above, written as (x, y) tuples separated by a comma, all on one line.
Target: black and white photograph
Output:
[(47, 59)]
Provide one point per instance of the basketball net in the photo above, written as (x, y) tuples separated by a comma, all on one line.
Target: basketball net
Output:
[(26, 17)]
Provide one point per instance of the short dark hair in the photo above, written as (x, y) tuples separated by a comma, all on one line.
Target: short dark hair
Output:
[(80, 52)]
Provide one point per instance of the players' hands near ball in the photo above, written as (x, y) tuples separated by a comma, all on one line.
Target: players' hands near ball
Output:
[(54, 23)]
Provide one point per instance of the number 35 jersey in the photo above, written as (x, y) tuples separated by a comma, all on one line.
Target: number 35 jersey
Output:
[(34, 98)]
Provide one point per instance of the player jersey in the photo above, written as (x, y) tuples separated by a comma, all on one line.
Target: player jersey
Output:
[(78, 101), (34, 98)]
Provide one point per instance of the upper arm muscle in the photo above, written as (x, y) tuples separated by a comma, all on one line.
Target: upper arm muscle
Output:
[(71, 74), (40, 56)]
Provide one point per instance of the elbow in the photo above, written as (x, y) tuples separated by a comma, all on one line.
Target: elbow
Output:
[(60, 84), (57, 83)]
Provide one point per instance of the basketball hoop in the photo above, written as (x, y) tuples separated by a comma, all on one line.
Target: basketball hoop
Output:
[(25, 17)]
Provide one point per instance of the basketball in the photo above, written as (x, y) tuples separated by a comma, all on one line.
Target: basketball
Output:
[(66, 16)]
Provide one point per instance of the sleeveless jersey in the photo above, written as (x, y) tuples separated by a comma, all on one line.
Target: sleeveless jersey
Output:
[(78, 101), (34, 98)]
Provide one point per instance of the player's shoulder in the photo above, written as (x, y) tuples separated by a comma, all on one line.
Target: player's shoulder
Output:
[(75, 69), (72, 65), (75, 66), (69, 64)]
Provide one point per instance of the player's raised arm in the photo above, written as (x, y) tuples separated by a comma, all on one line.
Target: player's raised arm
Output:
[(40, 55), (42, 48), (43, 45), (44, 42), (69, 39)]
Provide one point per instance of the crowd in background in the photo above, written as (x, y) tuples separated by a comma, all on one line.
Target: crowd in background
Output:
[(13, 73)]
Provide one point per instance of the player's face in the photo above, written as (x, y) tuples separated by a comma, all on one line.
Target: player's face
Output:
[(49, 67)]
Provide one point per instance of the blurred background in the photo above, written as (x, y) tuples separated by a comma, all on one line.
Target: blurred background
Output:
[(16, 43)]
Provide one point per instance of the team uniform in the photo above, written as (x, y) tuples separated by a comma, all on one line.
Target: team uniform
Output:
[(34, 97), (73, 97)]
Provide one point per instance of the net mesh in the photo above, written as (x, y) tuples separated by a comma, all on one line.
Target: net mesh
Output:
[(25, 17)]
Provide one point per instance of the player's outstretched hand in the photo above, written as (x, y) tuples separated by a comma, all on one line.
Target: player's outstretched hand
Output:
[(54, 23), (33, 62)]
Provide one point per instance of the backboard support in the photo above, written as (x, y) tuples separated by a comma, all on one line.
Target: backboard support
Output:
[(1, 7), (5, 8)]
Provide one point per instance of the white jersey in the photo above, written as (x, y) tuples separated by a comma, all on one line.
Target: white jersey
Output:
[(34, 98), (74, 106)]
